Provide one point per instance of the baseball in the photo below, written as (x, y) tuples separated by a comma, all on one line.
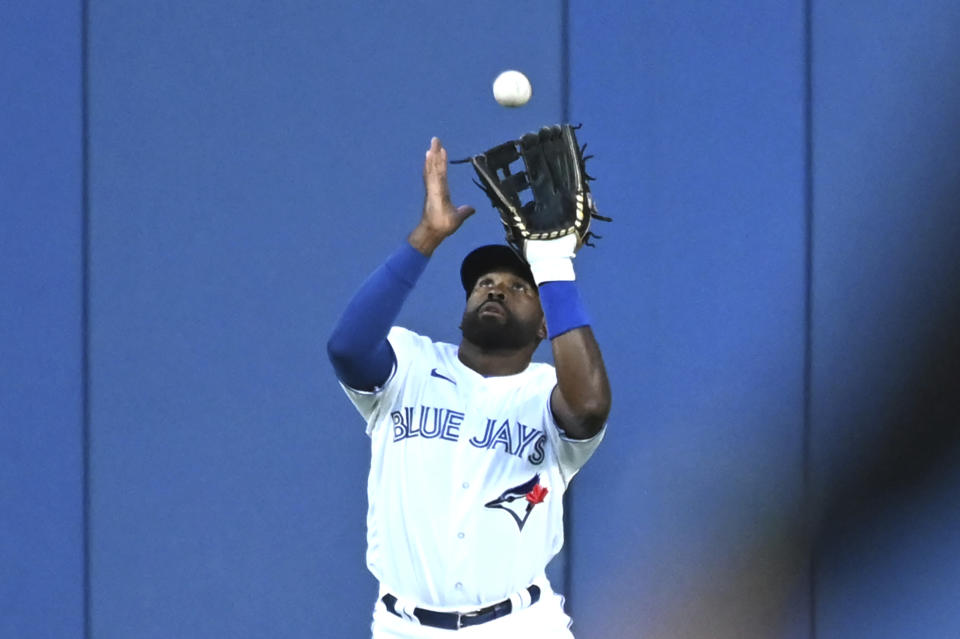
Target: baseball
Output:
[(512, 89)]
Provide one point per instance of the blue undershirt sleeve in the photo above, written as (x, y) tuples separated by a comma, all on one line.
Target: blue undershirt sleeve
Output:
[(358, 347)]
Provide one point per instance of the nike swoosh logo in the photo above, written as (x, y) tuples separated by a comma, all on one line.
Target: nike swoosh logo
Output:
[(434, 373)]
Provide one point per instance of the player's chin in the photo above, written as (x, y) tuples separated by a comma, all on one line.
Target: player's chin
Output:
[(491, 332), (502, 327)]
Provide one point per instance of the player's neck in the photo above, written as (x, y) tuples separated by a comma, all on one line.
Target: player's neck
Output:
[(494, 363)]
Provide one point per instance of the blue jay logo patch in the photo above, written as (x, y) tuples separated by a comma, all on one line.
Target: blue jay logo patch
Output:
[(527, 495)]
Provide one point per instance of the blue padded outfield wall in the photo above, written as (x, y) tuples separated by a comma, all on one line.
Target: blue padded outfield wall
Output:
[(190, 192), (41, 321)]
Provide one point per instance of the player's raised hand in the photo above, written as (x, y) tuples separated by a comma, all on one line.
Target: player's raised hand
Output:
[(440, 217)]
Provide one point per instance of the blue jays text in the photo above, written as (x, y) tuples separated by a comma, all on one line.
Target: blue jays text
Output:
[(444, 424)]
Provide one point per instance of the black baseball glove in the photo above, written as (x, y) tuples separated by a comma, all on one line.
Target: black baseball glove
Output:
[(559, 201)]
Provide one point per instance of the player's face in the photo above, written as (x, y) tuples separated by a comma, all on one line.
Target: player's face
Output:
[(503, 311)]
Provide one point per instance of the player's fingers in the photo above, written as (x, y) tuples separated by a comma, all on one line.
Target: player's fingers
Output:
[(436, 157), (464, 211), (435, 173), (430, 158)]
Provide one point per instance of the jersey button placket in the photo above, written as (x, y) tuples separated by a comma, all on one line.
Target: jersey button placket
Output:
[(461, 535)]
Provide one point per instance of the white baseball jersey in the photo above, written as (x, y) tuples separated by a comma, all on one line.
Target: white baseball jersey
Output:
[(466, 477)]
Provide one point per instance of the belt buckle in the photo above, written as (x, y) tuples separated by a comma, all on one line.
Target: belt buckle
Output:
[(466, 615), (460, 617)]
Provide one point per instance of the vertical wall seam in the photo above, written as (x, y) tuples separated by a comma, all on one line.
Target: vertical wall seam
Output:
[(565, 118), (808, 490), (85, 305), (565, 61)]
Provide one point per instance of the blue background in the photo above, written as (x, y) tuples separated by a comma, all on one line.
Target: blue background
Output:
[(190, 192)]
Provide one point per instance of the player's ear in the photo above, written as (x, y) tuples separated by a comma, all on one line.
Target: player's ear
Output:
[(542, 331)]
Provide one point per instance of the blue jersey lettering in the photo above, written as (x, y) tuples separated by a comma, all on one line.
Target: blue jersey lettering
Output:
[(484, 441), (451, 426), (503, 437)]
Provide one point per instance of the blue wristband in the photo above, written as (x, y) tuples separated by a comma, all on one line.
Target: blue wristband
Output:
[(562, 307)]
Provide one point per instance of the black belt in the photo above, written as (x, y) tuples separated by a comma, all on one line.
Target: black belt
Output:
[(457, 620)]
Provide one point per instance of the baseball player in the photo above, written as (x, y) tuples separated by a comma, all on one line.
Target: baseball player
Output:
[(472, 445)]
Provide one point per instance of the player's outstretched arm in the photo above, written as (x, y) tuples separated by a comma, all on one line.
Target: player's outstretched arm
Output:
[(440, 218), (358, 346), (581, 400)]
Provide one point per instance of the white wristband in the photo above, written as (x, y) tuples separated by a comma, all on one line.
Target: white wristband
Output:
[(551, 260)]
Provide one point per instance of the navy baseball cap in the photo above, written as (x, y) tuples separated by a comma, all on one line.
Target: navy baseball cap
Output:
[(492, 257)]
